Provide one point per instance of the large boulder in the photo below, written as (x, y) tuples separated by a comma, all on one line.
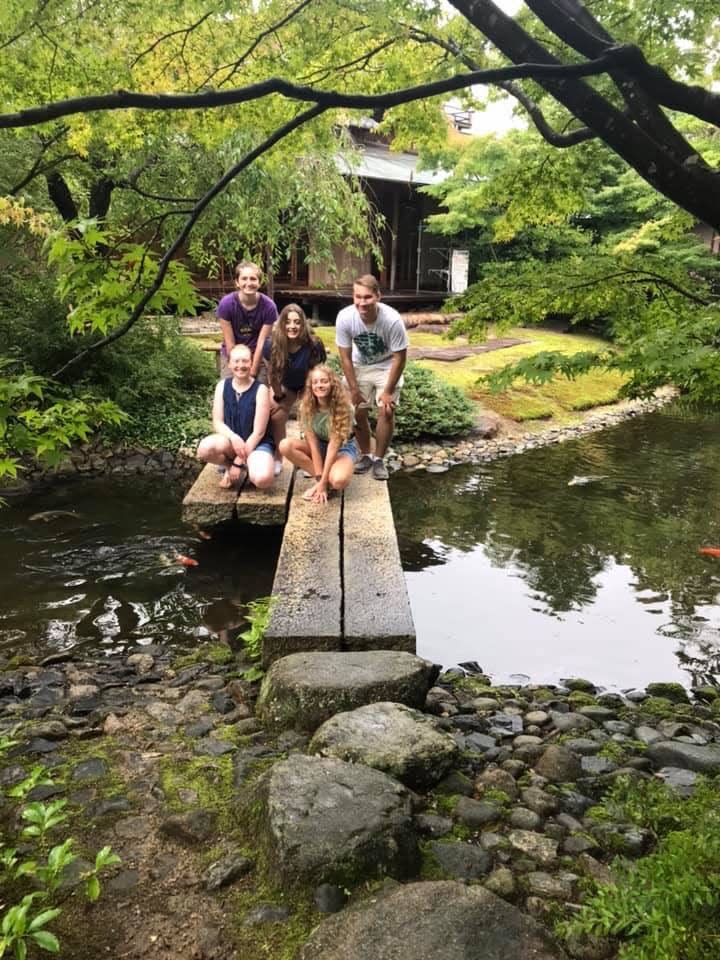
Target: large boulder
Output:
[(427, 921), (325, 821), (302, 690), (390, 737)]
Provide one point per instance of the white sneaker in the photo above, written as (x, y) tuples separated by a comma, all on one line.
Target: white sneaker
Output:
[(277, 469)]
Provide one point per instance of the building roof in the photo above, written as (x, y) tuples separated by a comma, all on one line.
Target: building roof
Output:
[(379, 163)]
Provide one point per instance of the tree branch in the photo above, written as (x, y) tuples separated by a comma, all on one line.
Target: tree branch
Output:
[(574, 24), (690, 183), (59, 193), (123, 99), (167, 36), (184, 233), (554, 138), (318, 76), (235, 66), (38, 166), (128, 185)]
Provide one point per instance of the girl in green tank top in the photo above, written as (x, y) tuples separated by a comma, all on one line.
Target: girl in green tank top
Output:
[(328, 451)]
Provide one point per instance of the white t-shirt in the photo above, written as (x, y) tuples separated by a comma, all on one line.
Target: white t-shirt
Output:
[(373, 344)]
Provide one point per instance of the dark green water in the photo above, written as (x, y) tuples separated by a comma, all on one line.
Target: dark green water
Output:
[(510, 566), (108, 578)]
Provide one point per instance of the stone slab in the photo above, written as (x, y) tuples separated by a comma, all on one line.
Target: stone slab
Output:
[(266, 508), (303, 690), (206, 503), (377, 613), (307, 581)]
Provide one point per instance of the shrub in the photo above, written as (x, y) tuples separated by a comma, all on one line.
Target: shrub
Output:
[(428, 406), (431, 408), (667, 905)]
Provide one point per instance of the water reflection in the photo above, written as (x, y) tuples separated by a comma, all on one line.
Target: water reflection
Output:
[(107, 576), (515, 564)]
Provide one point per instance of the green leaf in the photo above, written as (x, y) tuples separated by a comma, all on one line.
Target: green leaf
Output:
[(92, 888), (42, 919), (47, 941)]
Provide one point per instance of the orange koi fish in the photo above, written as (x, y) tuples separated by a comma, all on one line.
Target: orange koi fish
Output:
[(186, 561), (709, 551)]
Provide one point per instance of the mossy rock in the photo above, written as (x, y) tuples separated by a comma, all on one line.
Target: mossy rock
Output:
[(579, 698), (675, 692), (580, 685)]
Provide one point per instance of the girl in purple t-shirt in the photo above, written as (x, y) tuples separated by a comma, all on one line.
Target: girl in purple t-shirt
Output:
[(246, 315)]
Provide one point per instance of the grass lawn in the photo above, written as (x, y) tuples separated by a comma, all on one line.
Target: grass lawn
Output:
[(561, 400)]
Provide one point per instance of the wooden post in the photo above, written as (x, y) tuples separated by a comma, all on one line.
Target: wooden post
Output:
[(394, 239)]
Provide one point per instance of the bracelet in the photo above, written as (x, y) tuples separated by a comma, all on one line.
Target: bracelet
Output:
[(236, 464)]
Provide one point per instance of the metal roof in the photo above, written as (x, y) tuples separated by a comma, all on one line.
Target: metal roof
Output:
[(378, 163)]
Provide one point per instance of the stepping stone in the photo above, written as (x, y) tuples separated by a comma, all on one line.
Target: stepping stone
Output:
[(303, 690), (427, 921), (401, 742), (325, 821)]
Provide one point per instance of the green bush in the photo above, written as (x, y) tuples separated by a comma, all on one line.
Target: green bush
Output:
[(667, 905), (431, 408), (428, 406)]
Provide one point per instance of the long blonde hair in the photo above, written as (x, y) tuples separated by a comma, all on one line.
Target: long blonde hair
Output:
[(339, 406)]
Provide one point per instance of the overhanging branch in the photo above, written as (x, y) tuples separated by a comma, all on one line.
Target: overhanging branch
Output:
[(124, 99), (182, 236)]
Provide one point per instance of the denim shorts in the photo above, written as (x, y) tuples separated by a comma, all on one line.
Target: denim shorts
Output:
[(349, 448), (265, 446)]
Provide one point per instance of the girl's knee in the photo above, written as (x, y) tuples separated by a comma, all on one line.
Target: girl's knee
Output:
[(285, 446), (205, 449), (263, 481)]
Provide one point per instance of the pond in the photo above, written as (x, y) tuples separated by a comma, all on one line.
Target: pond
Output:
[(94, 564), (577, 559), (510, 563)]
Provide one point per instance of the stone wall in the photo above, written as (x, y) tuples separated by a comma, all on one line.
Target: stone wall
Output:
[(98, 458)]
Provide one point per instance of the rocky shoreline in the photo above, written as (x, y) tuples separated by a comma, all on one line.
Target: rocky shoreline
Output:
[(363, 805), (489, 440)]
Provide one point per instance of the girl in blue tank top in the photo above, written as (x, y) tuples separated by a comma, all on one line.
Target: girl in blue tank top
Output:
[(241, 439)]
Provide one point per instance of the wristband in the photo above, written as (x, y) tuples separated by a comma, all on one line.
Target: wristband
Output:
[(236, 464)]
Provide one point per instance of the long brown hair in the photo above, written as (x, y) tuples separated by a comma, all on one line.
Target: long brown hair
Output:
[(279, 345), (340, 407)]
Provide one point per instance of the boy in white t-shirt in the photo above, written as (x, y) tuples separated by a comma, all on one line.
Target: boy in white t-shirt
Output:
[(372, 342)]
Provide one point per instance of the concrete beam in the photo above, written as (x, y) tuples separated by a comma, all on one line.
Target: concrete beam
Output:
[(206, 503), (307, 580), (266, 508), (376, 605)]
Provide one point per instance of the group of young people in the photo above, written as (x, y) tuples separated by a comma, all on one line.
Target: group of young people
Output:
[(270, 363)]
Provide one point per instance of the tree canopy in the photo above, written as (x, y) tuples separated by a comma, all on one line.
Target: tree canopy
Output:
[(164, 124)]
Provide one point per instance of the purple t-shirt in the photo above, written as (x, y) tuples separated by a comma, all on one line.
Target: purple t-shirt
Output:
[(246, 324)]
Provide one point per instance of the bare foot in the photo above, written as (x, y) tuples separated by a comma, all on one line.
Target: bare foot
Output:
[(231, 477)]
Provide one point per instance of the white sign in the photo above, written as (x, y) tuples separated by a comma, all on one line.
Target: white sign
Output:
[(459, 266)]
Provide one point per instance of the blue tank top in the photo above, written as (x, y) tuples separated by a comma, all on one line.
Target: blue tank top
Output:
[(298, 364), (239, 410)]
